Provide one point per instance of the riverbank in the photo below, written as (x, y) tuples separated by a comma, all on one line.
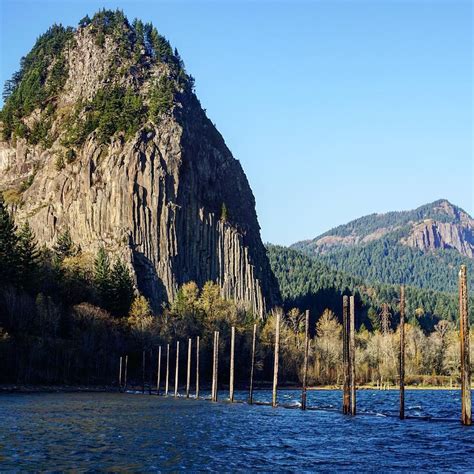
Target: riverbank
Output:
[(20, 388)]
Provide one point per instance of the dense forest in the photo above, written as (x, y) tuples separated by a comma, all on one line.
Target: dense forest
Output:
[(308, 282), (387, 261)]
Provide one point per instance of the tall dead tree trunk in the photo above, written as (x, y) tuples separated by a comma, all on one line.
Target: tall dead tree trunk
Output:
[(252, 363), (466, 413), (305, 362), (231, 375), (352, 350), (346, 397), (402, 352), (276, 359)]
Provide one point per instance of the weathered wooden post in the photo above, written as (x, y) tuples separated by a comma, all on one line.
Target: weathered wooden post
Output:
[(252, 363), (197, 367), (158, 372), (276, 359), (167, 380), (466, 414), (188, 375), (402, 352), (176, 374), (143, 372), (125, 375), (231, 375), (346, 396), (352, 350), (120, 375), (150, 371), (305, 362), (215, 366)]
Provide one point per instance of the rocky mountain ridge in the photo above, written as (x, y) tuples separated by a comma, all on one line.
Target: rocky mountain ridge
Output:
[(435, 226)]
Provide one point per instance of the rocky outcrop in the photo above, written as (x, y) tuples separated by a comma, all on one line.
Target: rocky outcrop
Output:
[(432, 235), (439, 225), (155, 198)]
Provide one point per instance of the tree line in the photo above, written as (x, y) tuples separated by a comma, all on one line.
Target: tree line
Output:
[(66, 316)]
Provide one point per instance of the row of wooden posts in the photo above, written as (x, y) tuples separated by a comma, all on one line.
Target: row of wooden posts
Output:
[(348, 352)]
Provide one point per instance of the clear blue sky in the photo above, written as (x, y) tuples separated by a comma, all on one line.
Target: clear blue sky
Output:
[(335, 109)]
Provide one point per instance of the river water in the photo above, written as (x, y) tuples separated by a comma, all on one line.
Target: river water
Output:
[(134, 432)]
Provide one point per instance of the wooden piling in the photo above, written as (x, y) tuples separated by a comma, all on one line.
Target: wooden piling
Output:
[(231, 375), (167, 380), (252, 363), (158, 372), (215, 366), (305, 362), (276, 359), (197, 367), (402, 352), (188, 374), (466, 405), (143, 372), (352, 379), (120, 375), (346, 396), (176, 374), (125, 375), (150, 372)]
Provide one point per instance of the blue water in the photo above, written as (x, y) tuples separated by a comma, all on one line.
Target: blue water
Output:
[(134, 432)]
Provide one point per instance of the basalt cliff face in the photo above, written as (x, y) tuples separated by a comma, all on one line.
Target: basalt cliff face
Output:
[(142, 172)]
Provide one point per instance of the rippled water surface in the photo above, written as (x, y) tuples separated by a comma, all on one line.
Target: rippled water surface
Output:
[(141, 432)]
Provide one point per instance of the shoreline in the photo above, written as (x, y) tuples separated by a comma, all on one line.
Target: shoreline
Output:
[(26, 388)]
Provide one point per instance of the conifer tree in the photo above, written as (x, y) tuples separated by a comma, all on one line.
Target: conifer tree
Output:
[(102, 277), (28, 256), (122, 289), (8, 246), (64, 246)]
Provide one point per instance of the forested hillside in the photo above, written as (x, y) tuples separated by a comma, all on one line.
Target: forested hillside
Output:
[(308, 282)]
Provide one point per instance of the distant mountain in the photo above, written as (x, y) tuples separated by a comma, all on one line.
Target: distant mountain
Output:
[(423, 247)]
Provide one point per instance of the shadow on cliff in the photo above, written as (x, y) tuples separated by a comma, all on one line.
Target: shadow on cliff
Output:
[(149, 283)]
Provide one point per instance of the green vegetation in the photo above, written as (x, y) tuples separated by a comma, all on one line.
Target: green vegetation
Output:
[(161, 98), (114, 108), (224, 213), (66, 318), (368, 224), (387, 261), (42, 74), (308, 282)]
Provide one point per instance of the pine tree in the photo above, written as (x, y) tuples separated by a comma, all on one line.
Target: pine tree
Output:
[(122, 289), (28, 257), (102, 277), (8, 246), (64, 246)]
